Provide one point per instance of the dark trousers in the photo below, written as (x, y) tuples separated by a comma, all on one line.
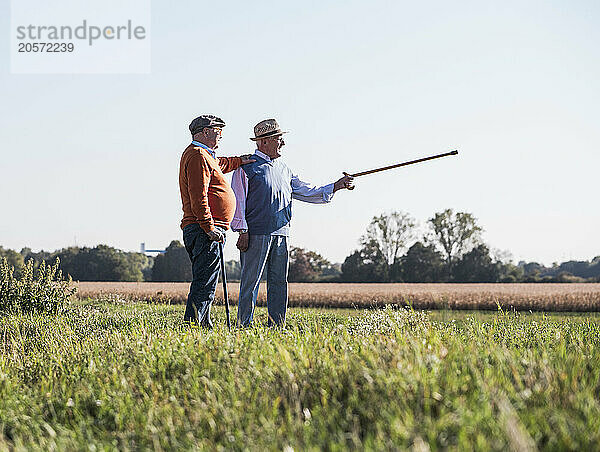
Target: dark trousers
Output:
[(206, 263)]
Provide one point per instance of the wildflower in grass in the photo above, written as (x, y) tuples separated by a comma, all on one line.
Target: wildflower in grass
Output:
[(41, 291)]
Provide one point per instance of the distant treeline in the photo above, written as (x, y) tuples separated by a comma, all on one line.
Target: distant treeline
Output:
[(391, 250), (449, 249), (105, 263)]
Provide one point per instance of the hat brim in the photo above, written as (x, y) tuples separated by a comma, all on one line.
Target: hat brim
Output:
[(269, 135)]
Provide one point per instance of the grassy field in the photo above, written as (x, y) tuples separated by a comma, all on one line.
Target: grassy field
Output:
[(125, 376), (523, 297)]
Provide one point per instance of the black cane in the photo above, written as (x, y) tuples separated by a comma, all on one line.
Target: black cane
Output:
[(398, 165), (224, 279)]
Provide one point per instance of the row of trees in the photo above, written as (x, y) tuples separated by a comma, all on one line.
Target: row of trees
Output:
[(391, 250), (101, 263), (450, 250), (105, 263)]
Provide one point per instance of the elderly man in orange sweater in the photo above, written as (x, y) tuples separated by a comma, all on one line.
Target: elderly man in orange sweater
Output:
[(208, 208)]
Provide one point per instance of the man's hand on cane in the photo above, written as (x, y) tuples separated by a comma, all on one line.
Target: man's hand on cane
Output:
[(242, 243), (216, 235)]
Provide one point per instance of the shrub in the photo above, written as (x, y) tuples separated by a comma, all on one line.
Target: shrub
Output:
[(41, 291)]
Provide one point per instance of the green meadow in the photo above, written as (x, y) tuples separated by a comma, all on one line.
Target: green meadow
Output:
[(132, 376)]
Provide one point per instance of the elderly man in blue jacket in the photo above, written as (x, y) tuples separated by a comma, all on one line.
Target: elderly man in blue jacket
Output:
[(264, 191)]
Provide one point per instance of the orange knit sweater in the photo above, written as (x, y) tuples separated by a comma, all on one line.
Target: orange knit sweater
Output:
[(206, 195)]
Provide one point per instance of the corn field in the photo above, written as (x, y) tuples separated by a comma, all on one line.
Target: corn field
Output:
[(521, 297)]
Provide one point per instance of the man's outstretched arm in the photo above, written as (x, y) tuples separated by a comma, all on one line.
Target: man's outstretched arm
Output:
[(306, 192), (228, 164)]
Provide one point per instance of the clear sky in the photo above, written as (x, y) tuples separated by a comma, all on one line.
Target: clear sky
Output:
[(513, 85)]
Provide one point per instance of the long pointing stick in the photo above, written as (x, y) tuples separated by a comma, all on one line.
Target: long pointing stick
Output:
[(398, 165)]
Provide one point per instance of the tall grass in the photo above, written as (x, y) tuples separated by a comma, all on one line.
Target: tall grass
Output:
[(131, 376), (41, 290)]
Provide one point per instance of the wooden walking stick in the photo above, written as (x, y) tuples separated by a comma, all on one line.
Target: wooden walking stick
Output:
[(224, 279), (398, 165)]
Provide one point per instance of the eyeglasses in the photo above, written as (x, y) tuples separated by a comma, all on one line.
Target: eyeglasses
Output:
[(216, 130)]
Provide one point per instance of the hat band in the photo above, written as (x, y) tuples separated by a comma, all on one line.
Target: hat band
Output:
[(268, 134)]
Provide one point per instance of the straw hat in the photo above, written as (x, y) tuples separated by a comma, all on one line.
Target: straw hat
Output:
[(266, 128)]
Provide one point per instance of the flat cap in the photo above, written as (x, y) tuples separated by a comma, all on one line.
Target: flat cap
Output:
[(205, 121)]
